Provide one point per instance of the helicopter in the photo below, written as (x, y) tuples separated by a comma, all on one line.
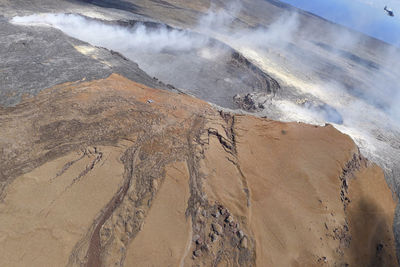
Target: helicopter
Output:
[(389, 11)]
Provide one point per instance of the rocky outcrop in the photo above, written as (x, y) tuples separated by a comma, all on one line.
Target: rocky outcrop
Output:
[(95, 174)]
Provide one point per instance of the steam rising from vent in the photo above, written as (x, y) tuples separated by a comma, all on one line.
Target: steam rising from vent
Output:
[(276, 49), (117, 37)]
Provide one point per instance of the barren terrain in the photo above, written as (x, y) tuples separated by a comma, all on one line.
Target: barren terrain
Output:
[(119, 154), (100, 176)]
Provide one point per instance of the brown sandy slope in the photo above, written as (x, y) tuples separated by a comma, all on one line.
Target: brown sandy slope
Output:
[(93, 175)]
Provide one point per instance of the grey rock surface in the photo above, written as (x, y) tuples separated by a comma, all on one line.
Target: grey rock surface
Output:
[(36, 58)]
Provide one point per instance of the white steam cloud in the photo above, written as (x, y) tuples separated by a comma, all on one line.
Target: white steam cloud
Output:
[(116, 37)]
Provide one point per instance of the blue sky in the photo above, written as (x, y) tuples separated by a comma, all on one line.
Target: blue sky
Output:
[(366, 16)]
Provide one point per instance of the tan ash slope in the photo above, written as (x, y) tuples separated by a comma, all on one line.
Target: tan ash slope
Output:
[(95, 174)]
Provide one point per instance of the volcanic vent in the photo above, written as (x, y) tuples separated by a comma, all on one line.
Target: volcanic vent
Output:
[(203, 66)]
